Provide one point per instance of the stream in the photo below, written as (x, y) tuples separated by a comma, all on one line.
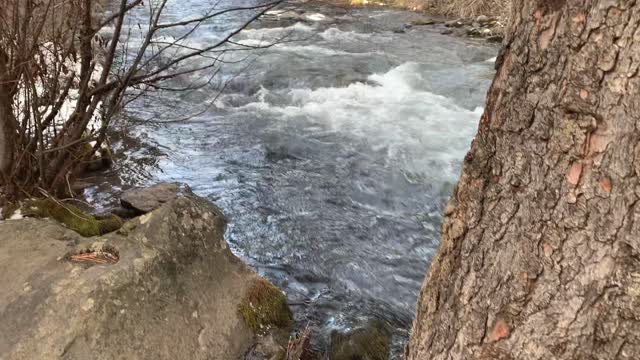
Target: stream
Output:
[(332, 153)]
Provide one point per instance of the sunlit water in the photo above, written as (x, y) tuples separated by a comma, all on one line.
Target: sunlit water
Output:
[(332, 154)]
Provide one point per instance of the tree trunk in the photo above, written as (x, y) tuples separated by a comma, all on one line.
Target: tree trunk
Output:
[(7, 121), (540, 252)]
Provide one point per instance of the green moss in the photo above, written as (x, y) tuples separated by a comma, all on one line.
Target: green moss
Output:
[(264, 307), (371, 342), (84, 150), (72, 217), (7, 210)]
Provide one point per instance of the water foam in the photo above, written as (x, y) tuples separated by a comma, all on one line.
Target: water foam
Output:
[(335, 34), (416, 127)]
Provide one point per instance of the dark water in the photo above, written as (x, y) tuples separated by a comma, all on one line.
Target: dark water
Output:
[(332, 153)]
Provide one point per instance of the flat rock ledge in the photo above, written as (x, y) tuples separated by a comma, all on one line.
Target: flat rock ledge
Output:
[(164, 286), (142, 200)]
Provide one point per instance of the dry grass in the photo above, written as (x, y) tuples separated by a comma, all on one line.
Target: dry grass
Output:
[(469, 8), (453, 8), (298, 345)]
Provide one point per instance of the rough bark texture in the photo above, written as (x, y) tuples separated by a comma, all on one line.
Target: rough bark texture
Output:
[(540, 253), (7, 121)]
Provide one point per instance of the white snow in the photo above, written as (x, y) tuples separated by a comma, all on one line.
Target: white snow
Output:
[(17, 215)]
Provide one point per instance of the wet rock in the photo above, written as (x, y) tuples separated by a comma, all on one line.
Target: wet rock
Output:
[(454, 23), (422, 22), (480, 27), (145, 199), (399, 30), (278, 153), (474, 32), (457, 23), (170, 289), (446, 32), (371, 342)]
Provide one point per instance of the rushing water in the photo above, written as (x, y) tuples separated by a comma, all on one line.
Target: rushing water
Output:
[(332, 153)]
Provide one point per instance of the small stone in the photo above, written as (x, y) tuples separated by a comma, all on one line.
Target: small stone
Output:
[(453, 23), (482, 19)]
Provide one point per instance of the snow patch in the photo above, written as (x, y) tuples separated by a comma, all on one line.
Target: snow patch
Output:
[(17, 215)]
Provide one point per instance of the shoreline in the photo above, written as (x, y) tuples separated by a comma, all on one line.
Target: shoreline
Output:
[(490, 25)]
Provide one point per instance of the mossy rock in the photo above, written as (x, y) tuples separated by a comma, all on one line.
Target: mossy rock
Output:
[(371, 342), (264, 307), (72, 217)]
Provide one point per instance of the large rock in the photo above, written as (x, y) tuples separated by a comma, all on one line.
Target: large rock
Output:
[(166, 286)]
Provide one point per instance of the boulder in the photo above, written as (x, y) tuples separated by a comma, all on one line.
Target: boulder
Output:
[(164, 286), (144, 199)]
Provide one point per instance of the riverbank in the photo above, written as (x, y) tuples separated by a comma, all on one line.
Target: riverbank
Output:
[(481, 19)]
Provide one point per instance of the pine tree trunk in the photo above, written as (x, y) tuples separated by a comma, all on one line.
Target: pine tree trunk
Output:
[(7, 121), (540, 252)]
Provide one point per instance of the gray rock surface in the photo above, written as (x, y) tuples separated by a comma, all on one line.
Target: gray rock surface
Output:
[(172, 294), (143, 200)]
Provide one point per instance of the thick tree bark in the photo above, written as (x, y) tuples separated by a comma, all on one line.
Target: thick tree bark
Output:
[(540, 252), (7, 121)]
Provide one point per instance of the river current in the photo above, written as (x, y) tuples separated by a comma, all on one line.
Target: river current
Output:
[(332, 153)]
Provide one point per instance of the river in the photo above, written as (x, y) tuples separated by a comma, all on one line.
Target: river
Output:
[(332, 153)]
